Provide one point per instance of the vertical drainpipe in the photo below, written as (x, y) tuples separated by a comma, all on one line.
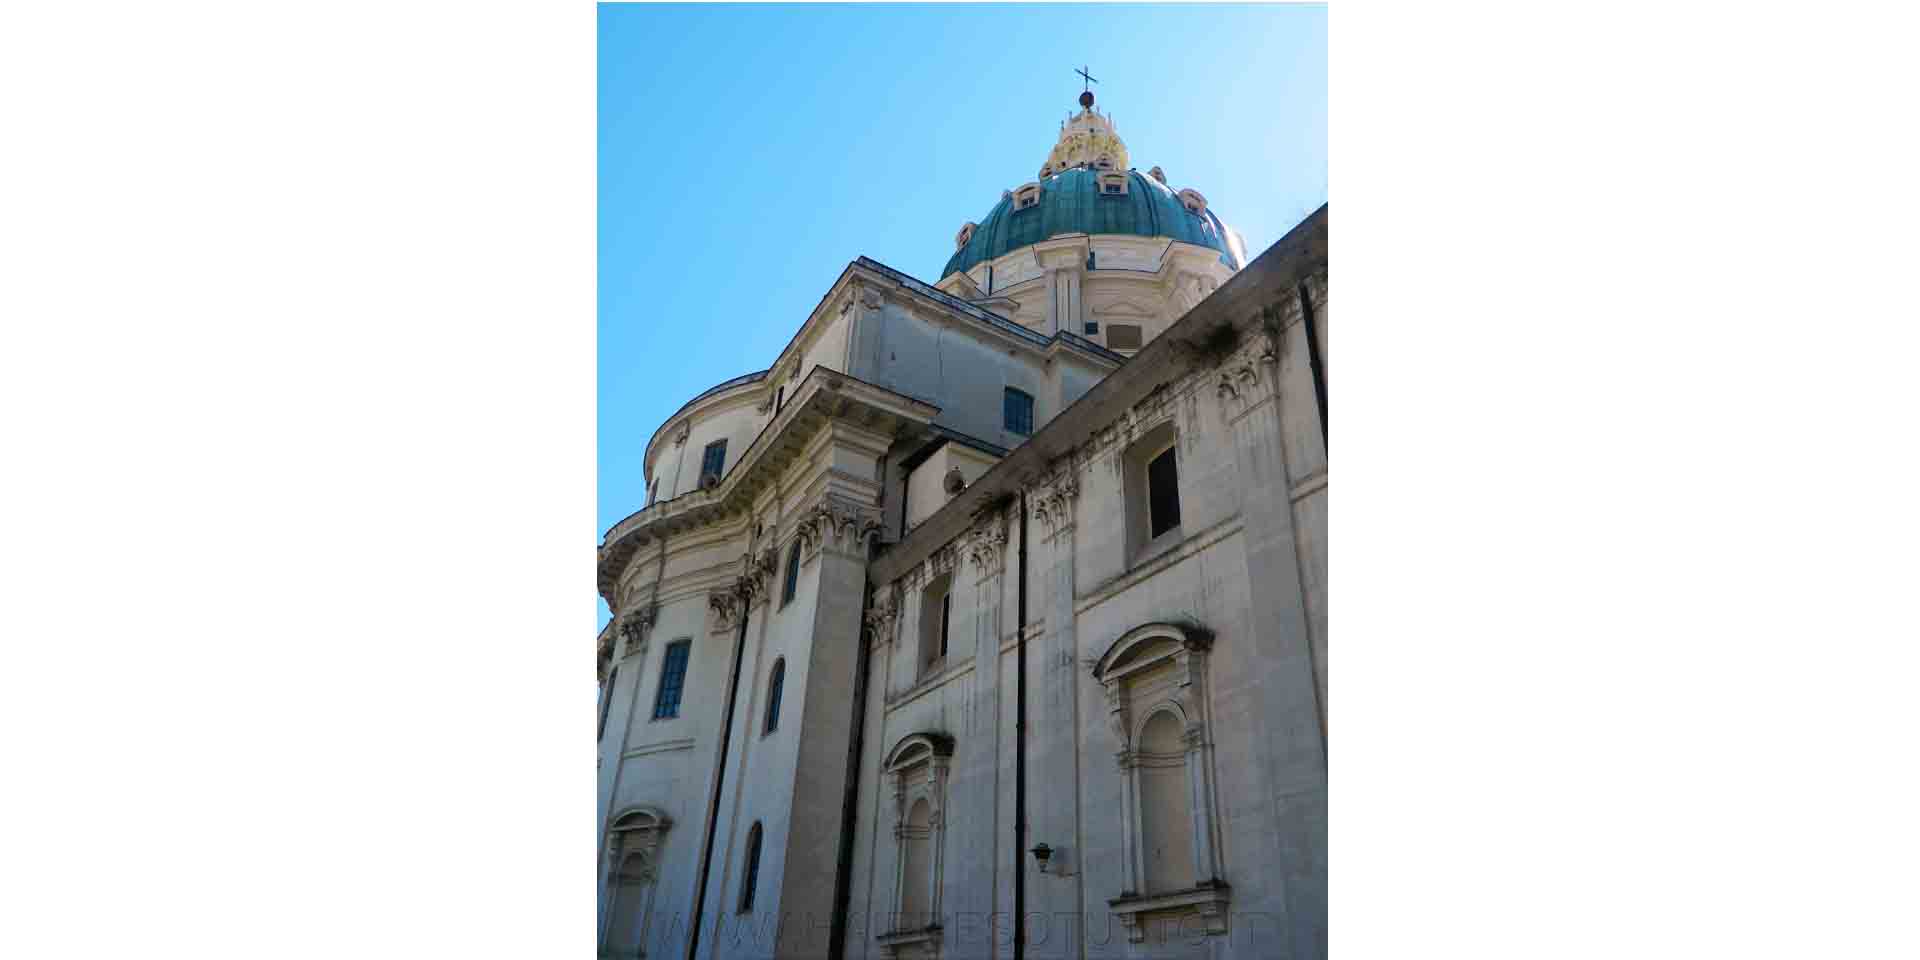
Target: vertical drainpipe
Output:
[(719, 777), (1020, 752), (1313, 359)]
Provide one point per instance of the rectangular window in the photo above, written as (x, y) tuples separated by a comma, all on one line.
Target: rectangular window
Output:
[(1123, 336), (1093, 327), (673, 675), (935, 611), (1163, 494), (713, 461), (1019, 411)]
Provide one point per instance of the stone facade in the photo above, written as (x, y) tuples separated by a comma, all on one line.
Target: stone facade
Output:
[(864, 542)]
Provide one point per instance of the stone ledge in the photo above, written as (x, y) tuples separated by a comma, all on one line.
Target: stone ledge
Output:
[(1209, 899), (662, 746), (927, 938)]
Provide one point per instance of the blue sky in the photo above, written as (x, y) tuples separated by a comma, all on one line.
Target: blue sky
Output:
[(746, 154)]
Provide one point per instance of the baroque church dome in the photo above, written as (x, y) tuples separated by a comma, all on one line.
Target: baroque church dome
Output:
[(1086, 186)]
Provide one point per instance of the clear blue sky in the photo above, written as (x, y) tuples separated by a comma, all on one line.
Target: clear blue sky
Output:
[(748, 153)]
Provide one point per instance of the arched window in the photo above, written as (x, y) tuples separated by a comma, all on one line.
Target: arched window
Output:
[(752, 875), (793, 573), (775, 681)]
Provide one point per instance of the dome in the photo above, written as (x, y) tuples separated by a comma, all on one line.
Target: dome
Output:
[(1071, 202)]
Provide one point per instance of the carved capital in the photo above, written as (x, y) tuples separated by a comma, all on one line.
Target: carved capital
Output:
[(941, 561), (880, 617), (726, 606), (756, 575), (987, 547), (1052, 499), (837, 523), (636, 626)]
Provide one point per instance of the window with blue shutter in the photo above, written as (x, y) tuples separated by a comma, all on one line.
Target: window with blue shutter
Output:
[(1019, 412), (673, 676)]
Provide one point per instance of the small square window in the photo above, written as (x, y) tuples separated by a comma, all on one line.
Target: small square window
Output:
[(1093, 327)]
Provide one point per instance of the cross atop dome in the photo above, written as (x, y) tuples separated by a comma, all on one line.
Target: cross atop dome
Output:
[(1087, 139)]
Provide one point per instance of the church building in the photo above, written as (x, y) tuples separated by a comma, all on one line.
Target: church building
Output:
[(989, 620)]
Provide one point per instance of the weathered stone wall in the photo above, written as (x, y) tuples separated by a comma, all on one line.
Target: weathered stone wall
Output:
[(1246, 571)]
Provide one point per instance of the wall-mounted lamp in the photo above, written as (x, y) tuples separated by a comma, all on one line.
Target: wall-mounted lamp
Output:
[(1043, 853)]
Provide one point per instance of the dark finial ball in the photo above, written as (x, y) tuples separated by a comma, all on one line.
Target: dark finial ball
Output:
[(1086, 99)]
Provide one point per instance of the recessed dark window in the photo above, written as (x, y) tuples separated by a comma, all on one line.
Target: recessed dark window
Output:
[(793, 573), (606, 699), (775, 682), (779, 399), (713, 461), (946, 618), (1163, 494), (673, 676), (1093, 326), (752, 876), (1019, 412)]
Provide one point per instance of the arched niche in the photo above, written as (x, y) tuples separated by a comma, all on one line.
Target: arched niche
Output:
[(917, 767), (1154, 677), (633, 851)]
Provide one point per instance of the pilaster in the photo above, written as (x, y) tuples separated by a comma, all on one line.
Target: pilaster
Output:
[(1283, 677)]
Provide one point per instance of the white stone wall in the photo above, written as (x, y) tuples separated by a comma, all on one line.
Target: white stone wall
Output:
[(1249, 567)]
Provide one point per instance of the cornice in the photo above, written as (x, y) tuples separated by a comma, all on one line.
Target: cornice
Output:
[(824, 396)]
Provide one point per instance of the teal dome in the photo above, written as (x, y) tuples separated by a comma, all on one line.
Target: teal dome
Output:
[(1071, 202)]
